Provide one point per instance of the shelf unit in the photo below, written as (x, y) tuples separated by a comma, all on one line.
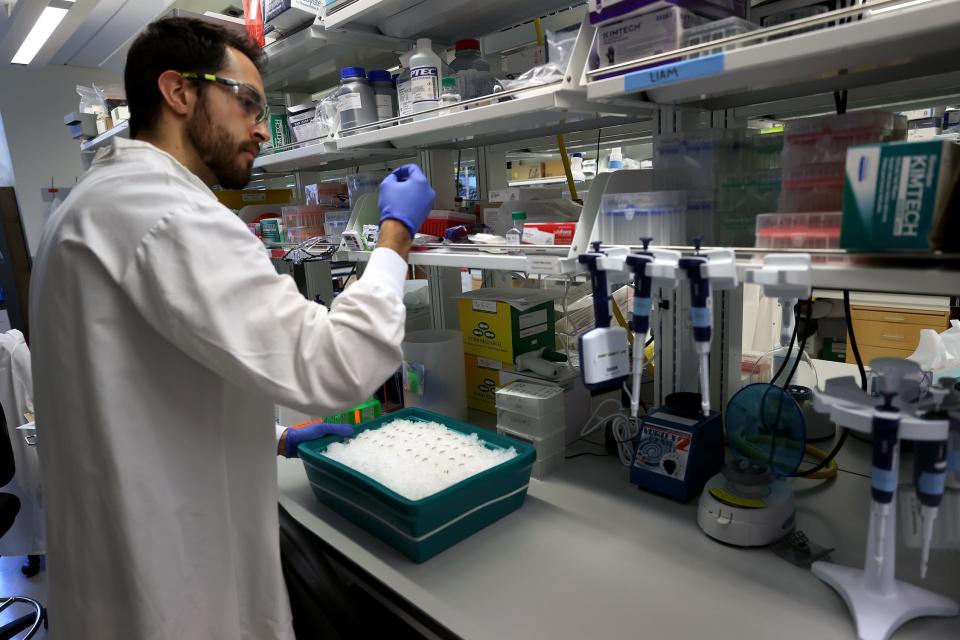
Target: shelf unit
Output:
[(558, 107), (442, 20), (883, 47), (324, 156), (313, 57), (122, 130)]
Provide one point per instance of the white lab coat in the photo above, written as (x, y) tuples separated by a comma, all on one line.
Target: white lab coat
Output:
[(162, 338), (25, 537)]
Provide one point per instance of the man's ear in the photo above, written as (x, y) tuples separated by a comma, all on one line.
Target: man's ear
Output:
[(178, 92)]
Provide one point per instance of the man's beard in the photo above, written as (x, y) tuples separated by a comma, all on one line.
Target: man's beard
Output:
[(218, 149)]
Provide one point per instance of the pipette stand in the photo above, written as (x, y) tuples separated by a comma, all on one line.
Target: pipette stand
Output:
[(878, 602)]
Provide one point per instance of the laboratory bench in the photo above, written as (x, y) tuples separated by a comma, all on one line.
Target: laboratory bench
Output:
[(592, 556)]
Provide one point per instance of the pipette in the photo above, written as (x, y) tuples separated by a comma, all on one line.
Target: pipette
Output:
[(640, 322), (700, 317), (929, 477), (883, 483), (604, 357)]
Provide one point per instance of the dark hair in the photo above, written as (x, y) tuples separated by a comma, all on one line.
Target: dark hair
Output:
[(178, 44)]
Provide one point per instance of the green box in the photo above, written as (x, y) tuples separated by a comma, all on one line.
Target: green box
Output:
[(895, 195), (422, 528), (501, 324)]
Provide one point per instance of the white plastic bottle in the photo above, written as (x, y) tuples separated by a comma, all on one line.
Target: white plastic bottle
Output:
[(425, 68)]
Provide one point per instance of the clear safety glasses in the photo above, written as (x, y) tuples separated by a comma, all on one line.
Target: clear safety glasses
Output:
[(252, 101)]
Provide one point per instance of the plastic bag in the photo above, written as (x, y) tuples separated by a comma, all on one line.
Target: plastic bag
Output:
[(111, 96), (559, 49), (361, 183), (938, 351), (327, 116), (89, 100)]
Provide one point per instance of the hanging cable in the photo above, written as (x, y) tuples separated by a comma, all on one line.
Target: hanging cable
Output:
[(863, 385)]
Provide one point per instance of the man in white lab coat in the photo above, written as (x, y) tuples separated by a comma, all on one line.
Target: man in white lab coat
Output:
[(163, 337)]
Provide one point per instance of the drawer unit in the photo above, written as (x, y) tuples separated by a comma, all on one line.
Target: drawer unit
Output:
[(891, 332)]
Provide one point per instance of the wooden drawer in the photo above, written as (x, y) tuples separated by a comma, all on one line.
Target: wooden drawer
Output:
[(868, 353), (938, 320), (888, 334)]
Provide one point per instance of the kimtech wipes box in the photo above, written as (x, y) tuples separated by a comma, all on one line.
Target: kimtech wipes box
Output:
[(895, 195), (503, 323)]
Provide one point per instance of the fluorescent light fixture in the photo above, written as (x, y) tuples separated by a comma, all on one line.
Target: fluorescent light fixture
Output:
[(898, 6), (39, 34)]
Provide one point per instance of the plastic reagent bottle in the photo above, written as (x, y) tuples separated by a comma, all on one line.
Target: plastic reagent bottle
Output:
[(515, 235), (384, 92), (404, 89), (449, 95), (576, 166), (425, 78), (471, 70), (616, 159), (355, 101)]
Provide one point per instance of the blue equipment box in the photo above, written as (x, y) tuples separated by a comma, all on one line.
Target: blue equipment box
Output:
[(676, 454)]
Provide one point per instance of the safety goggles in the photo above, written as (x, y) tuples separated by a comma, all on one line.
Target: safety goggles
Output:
[(252, 101)]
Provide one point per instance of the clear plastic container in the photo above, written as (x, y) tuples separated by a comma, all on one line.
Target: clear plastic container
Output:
[(302, 216), (711, 31), (302, 234), (799, 230), (438, 222), (546, 466), (546, 446), (335, 223), (532, 400), (627, 217), (537, 427), (449, 96)]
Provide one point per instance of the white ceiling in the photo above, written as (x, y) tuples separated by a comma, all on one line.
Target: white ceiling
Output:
[(94, 33)]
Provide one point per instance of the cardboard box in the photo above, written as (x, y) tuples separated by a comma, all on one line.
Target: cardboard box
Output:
[(553, 169), (644, 35), (895, 195), (605, 11), (500, 324), (302, 121), (523, 171), (288, 14), (483, 380), (549, 232)]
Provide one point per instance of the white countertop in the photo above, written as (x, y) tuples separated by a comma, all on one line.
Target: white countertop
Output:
[(591, 556)]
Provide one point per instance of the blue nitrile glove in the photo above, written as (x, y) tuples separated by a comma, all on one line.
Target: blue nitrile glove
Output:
[(314, 431), (407, 197)]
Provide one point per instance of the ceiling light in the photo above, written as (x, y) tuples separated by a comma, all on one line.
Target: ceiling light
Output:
[(41, 31)]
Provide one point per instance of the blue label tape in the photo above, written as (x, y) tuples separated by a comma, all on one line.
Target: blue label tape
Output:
[(674, 72), (953, 461), (883, 479), (700, 316), (931, 483), (642, 306)]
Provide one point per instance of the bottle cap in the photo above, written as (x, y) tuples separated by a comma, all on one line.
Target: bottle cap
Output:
[(378, 75), (519, 215), (353, 72), (467, 44), (449, 81), (424, 43)]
